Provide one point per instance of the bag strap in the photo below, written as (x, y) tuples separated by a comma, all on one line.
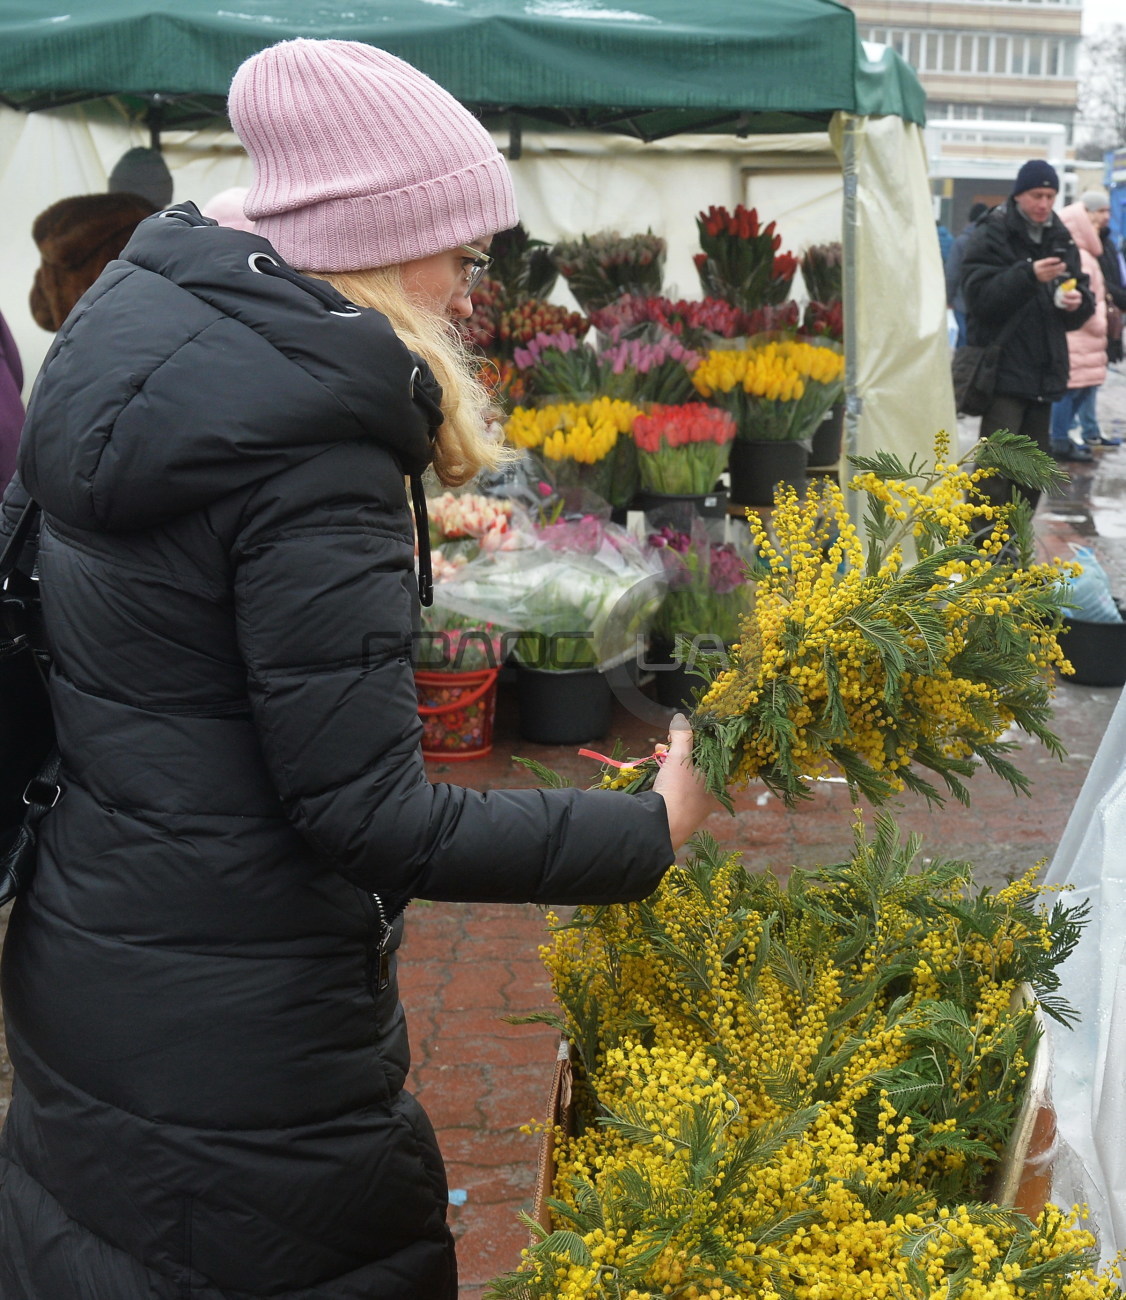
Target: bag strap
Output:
[(18, 539)]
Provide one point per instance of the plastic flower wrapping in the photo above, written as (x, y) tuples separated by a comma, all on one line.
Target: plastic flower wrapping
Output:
[(572, 593), (708, 587), (463, 526), (740, 261), (682, 450), (802, 1092), (860, 661), (777, 390)]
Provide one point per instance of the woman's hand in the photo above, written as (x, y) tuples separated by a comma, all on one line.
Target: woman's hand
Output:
[(687, 801)]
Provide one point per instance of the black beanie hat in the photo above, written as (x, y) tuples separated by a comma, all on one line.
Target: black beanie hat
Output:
[(1036, 174)]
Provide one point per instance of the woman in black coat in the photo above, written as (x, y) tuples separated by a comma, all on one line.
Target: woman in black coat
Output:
[(200, 984)]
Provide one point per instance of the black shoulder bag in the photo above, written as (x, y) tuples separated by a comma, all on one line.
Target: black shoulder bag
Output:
[(29, 761), (974, 371)]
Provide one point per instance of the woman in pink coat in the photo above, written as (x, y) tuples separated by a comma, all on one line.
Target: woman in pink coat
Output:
[(1086, 345)]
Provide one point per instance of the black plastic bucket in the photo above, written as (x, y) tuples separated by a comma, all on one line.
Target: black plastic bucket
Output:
[(827, 439), (1097, 652), (709, 505), (563, 707), (757, 467)]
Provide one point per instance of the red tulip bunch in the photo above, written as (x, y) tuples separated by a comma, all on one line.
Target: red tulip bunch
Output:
[(741, 262), (682, 450)]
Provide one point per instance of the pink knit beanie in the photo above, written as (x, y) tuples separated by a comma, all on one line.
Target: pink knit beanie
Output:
[(360, 160)]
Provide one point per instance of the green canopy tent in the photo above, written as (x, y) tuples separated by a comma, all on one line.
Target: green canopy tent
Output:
[(648, 69)]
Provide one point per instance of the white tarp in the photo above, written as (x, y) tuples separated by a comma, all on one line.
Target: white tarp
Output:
[(897, 355), (1089, 1061)]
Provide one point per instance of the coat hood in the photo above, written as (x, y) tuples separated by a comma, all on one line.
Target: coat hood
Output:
[(1078, 220), (200, 363)]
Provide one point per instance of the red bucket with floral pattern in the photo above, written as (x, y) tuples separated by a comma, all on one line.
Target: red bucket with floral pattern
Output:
[(457, 711)]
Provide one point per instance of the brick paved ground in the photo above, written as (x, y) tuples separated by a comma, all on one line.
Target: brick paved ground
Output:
[(466, 967)]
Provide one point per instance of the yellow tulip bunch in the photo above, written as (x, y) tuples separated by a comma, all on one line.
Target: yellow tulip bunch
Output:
[(800, 1094), (776, 390), (585, 432), (580, 444)]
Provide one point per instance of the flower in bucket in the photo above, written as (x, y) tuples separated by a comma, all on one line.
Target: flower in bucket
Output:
[(449, 642), (694, 322), (855, 661), (740, 261), (600, 268), (708, 591), (824, 320), (682, 450), (636, 371), (777, 391), (559, 365), (574, 441), (822, 269)]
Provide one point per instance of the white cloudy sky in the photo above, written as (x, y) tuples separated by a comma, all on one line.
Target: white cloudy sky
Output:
[(1096, 13)]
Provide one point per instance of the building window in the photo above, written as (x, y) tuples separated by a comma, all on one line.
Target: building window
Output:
[(1001, 56), (983, 44), (1016, 63), (1034, 63)]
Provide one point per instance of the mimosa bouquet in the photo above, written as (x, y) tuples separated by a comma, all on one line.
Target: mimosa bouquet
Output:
[(682, 450), (777, 390), (857, 662), (600, 268), (574, 442), (740, 262), (802, 1092)]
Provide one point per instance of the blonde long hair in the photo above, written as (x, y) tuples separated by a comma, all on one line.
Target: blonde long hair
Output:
[(464, 444)]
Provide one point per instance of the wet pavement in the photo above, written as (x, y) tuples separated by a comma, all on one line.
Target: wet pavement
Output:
[(467, 967)]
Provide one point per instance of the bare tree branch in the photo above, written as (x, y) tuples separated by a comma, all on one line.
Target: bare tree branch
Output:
[(1102, 90)]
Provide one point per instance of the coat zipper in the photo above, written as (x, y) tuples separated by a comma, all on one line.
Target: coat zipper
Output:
[(380, 960)]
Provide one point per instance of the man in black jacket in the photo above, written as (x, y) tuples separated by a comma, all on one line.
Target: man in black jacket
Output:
[(1024, 290)]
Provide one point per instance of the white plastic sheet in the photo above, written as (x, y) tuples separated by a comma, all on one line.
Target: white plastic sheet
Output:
[(899, 392), (1089, 1085)]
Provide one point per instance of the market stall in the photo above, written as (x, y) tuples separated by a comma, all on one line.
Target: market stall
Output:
[(645, 72)]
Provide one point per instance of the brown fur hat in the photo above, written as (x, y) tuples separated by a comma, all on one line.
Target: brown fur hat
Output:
[(77, 237)]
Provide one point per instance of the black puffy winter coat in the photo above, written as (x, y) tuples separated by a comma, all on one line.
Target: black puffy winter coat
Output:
[(1000, 286), (209, 1063)]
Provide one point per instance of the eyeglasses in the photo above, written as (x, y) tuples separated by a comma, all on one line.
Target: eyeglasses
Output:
[(479, 264)]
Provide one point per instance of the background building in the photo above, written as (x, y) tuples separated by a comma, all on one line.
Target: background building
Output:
[(996, 72)]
